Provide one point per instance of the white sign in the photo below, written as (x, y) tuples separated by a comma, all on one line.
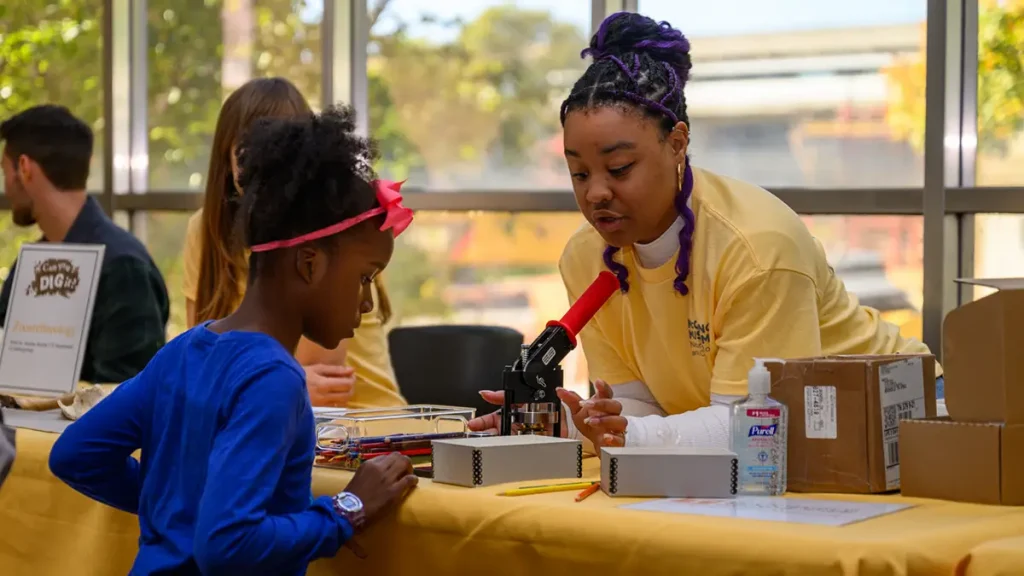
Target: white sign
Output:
[(52, 295), (775, 509)]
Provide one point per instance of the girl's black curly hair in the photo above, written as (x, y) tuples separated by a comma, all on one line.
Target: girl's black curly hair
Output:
[(299, 175), (641, 64)]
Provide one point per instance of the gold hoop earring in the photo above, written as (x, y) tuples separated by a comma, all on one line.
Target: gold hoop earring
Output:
[(679, 177)]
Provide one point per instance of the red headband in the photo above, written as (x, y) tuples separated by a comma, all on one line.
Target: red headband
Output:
[(397, 218)]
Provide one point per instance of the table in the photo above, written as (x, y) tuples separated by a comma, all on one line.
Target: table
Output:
[(1004, 557), (46, 528)]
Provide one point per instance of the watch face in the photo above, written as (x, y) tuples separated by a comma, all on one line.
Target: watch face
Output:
[(349, 502)]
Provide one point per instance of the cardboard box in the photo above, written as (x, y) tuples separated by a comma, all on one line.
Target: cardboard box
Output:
[(963, 461), (499, 459), (981, 355), (669, 472), (844, 414)]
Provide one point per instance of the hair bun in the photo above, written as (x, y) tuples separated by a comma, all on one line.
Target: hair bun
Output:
[(625, 33)]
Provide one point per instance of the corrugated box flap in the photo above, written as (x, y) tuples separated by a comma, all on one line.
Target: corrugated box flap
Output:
[(997, 283)]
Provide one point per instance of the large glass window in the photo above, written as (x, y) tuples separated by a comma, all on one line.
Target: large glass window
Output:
[(52, 53), (497, 268), (805, 93), (163, 233), (466, 94), (11, 239), (999, 238), (1000, 93), (880, 259), (998, 248), (201, 50)]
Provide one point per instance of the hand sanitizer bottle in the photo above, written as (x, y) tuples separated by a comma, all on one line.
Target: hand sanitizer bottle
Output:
[(759, 437)]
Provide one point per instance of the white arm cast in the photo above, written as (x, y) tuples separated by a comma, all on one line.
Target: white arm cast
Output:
[(648, 425)]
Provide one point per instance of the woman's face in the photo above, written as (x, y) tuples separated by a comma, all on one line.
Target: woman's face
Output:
[(344, 291), (624, 172)]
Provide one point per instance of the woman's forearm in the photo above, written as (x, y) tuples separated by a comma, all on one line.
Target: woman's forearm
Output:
[(706, 427), (649, 425)]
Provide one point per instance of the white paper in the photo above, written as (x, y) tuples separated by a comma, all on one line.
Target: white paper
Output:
[(48, 316), (774, 509), (901, 388), (820, 412), (45, 421)]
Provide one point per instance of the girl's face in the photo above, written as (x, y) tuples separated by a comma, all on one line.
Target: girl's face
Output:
[(342, 290), (624, 172)]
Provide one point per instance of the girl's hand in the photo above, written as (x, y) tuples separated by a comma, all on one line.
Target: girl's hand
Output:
[(381, 482), (599, 419)]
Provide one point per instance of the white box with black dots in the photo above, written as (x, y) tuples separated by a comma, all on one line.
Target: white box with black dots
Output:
[(668, 472), (494, 460)]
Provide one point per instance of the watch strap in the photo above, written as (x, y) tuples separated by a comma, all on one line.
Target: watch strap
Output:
[(356, 518)]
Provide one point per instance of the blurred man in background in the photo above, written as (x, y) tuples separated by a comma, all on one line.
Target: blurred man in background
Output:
[(46, 164)]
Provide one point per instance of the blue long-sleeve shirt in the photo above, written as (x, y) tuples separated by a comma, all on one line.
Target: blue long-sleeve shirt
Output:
[(224, 482)]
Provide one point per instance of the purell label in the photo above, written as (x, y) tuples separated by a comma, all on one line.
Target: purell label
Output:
[(762, 430), (759, 441)]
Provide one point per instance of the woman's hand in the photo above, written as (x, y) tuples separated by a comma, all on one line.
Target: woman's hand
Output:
[(490, 422), (599, 419), (329, 385)]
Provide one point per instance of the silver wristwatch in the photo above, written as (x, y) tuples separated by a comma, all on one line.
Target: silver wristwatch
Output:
[(350, 507)]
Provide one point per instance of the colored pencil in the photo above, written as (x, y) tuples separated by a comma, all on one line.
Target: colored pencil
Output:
[(586, 493), (527, 490)]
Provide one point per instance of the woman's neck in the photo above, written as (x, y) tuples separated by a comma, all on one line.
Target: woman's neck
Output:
[(659, 251)]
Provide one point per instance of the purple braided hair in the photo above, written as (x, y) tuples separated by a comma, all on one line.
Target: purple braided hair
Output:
[(650, 64)]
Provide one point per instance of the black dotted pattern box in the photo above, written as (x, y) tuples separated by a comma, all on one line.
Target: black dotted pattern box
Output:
[(500, 459), (669, 472)]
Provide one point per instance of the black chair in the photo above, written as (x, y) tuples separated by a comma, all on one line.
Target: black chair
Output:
[(451, 364)]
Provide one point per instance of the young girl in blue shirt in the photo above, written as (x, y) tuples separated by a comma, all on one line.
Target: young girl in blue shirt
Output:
[(221, 414)]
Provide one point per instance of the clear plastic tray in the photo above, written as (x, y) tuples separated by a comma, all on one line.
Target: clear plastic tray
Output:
[(347, 438)]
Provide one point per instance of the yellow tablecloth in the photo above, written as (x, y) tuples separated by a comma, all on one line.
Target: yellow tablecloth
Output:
[(1003, 557), (46, 528)]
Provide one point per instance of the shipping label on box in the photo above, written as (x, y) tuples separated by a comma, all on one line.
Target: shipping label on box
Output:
[(901, 391), (820, 412)]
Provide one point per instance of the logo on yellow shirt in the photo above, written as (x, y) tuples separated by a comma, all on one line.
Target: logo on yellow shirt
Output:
[(700, 338)]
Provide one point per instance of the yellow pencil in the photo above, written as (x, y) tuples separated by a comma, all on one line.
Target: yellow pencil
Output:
[(526, 490)]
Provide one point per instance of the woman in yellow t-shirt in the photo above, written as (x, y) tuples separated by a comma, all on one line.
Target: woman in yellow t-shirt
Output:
[(358, 373), (714, 272)]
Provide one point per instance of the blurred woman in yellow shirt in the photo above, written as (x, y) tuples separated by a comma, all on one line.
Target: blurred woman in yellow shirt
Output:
[(358, 373), (714, 271)]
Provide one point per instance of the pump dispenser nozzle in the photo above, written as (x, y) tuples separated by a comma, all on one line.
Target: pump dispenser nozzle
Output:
[(759, 379)]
